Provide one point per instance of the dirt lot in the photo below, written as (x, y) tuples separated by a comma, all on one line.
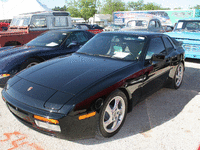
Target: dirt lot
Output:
[(167, 120)]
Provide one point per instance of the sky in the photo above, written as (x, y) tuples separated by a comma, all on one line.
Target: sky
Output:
[(184, 4)]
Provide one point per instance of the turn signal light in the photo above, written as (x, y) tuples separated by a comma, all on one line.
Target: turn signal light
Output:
[(46, 119), (5, 75), (87, 115)]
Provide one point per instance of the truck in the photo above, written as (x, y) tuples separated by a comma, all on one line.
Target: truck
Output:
[(25, 27), (4, 26), (187, 32), (166, 17)]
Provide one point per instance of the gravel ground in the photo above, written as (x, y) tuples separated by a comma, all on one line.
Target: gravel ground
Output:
[(167, 120)]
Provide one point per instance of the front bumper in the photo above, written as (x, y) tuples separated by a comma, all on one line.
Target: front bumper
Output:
[(71, 127)]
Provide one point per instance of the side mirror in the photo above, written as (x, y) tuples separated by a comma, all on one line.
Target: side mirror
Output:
[(73, 43), (157, 57)]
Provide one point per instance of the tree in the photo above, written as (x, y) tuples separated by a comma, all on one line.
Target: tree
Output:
[(64, 8), (139, 5), (82, 8), (177, 8), (154, 6), (195, 7), (112, 6)]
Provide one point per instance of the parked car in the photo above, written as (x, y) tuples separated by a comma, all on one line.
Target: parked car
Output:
[(113, 27), (144, 24), (46, 46), (187, 31), (91, 28), (25, 27), (90, 92)]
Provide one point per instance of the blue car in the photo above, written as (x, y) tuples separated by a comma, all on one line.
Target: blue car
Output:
[(187, 31), (46, 46)]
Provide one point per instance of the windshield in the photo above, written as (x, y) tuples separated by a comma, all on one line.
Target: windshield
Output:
[(137, 23), (116, 46), (20, 21), (188, 26), (49, 39)]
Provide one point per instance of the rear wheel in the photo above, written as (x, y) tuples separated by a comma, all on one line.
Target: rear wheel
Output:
[(29, 63), (178, 77), (112, 114)]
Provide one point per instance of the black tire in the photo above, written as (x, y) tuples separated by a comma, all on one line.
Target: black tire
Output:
[(117, 117), (178, 77), (29, 62)]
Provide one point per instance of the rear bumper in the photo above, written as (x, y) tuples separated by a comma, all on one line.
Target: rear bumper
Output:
[(71, 127)]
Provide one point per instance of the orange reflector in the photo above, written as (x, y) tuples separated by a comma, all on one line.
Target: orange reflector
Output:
[(46, 119), (5, 75), (87, 115)]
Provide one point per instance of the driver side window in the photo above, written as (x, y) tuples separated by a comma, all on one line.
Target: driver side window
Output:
[(156, 46)]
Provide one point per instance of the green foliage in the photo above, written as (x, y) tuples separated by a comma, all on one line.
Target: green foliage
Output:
[(113, 5), (64, 8), (139, 5), (177, 8), (80, 8), (195, 7), (154, 6)]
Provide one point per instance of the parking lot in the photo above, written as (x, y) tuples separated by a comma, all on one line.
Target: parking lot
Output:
[(167, 120)]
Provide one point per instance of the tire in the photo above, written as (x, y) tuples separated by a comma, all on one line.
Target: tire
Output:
[(178, 77), (29, 63), (112, 116)]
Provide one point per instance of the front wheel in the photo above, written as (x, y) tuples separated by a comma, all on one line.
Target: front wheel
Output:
[(112, 114), (178, 77), (29, 63)]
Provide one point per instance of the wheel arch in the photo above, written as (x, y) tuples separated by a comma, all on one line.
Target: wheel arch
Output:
[(12, 43), (128, 96)]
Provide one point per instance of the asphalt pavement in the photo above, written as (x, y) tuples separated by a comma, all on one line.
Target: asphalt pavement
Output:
[(167, 120)]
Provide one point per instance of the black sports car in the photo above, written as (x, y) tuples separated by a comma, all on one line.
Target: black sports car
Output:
[(46, 46), (90, 92)]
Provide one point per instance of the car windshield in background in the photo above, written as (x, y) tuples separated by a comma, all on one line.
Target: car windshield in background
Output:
[(49, 39), (188, 26), (137, 23), (116, 46), (20, 21)]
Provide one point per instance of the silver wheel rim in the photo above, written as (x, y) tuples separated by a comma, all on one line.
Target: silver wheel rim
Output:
[(179, 75), (32, 64), (114, 114)]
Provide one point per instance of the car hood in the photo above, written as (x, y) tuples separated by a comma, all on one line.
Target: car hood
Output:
[(72, 74), (53, 83), (11, 50), (185, 35)]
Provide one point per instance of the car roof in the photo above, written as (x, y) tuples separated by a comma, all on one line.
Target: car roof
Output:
[(133, 33)]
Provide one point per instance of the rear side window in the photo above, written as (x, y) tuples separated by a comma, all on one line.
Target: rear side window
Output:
[(60, 21), (156, 46), (39, 21), (168, 44)]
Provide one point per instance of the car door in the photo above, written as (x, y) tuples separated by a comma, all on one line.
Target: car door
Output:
[(156, 72)]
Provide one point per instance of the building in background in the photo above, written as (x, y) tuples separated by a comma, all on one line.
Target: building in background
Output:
[(101, 19)]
